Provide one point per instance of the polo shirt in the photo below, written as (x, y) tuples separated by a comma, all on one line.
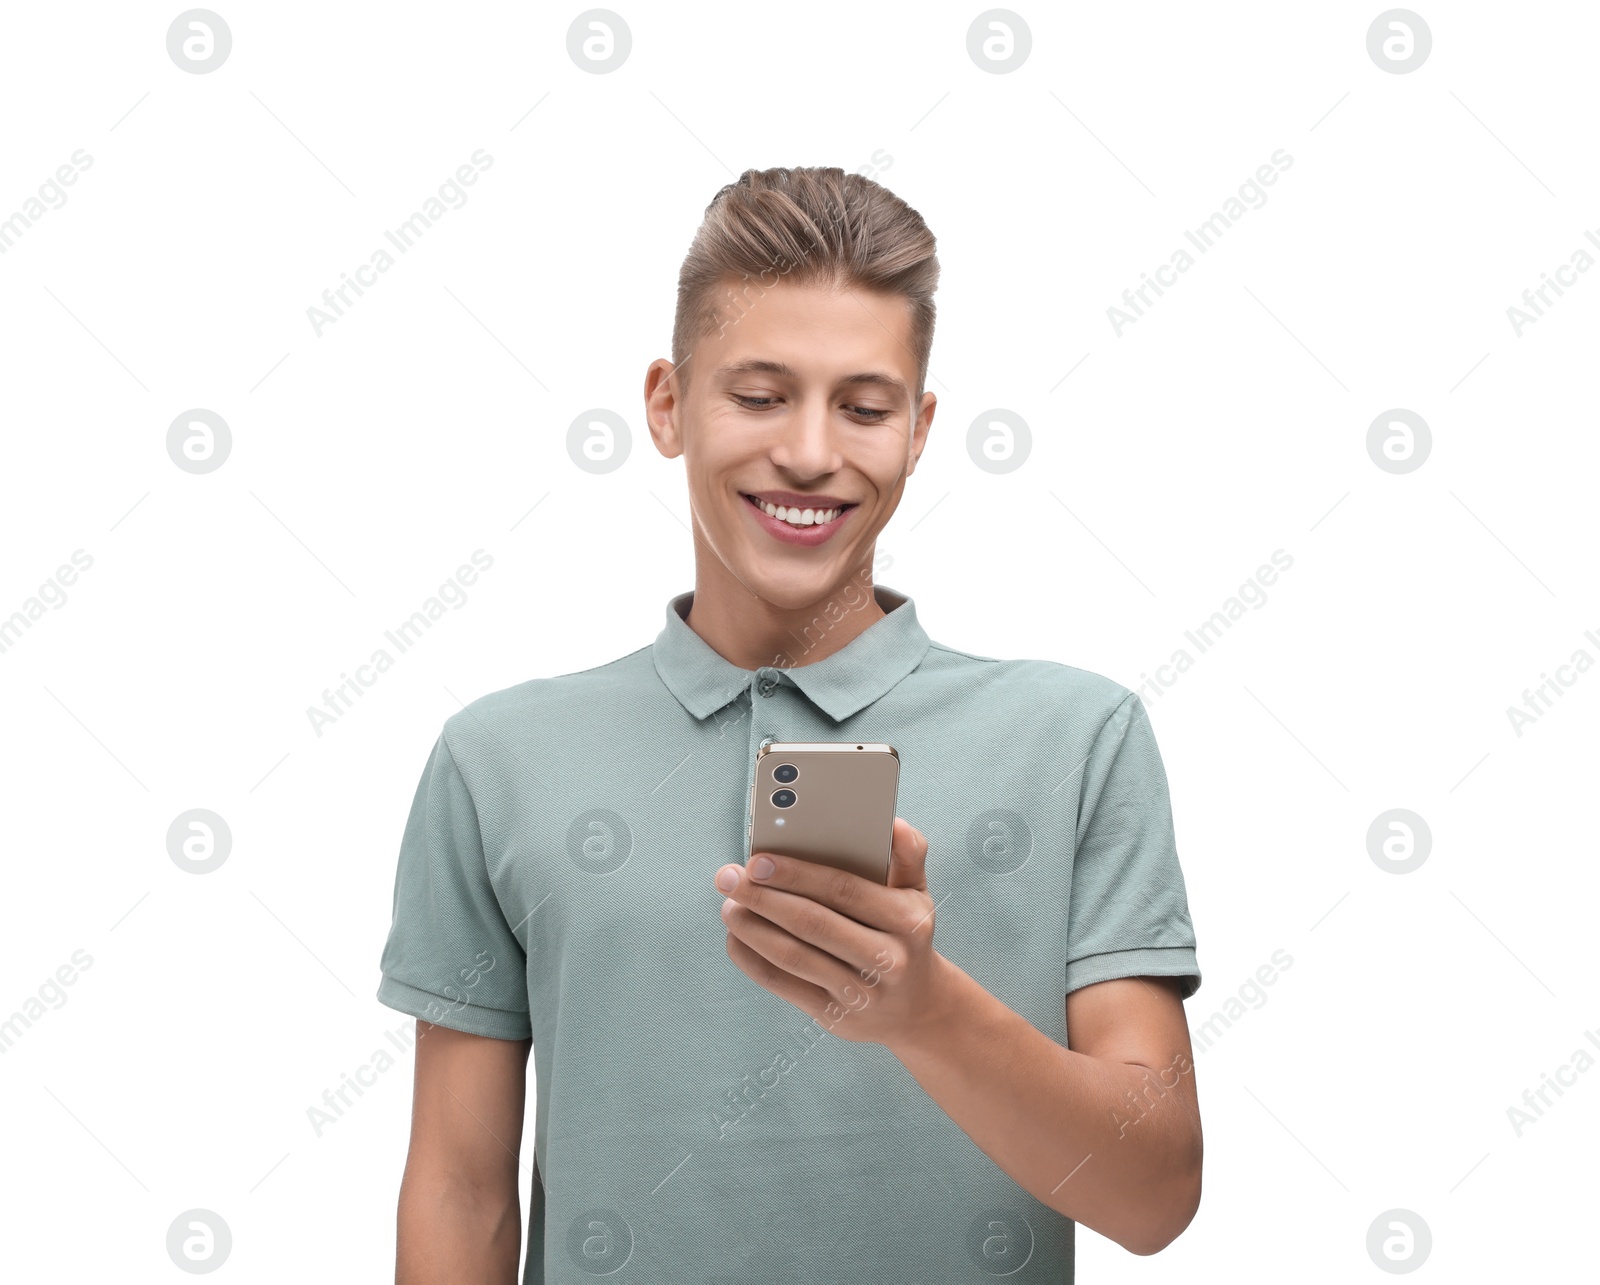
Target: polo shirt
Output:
[(554, 882)]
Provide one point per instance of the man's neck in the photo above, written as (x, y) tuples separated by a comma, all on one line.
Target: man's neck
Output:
[(751, 632)]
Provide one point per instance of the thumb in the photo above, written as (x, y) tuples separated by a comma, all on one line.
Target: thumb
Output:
[(908, 857)]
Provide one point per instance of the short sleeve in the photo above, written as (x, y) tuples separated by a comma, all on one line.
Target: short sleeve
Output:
[(451, 958), (1128, 913)]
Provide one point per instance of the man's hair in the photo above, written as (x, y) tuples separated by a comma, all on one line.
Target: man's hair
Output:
[(815, 225)]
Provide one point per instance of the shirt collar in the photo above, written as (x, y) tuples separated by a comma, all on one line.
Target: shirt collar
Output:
[(861, 671)]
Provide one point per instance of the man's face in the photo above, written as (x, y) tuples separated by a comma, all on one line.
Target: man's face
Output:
[(802, 399)]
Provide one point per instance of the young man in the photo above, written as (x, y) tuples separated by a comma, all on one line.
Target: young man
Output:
[(793, 1077)]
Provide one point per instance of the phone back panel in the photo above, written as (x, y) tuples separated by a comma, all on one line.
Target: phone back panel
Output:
[(844, 807)]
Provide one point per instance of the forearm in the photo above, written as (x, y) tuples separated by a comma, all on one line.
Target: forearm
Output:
[(1107, 1144), (456, 1233)]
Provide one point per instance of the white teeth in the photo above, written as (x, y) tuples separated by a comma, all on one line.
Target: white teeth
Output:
[(798, 516)]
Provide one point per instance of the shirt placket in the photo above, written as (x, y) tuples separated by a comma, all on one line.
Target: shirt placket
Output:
[(765, 698)]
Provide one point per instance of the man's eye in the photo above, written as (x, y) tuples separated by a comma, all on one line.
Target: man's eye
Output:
[(751, 401), (868, 410)]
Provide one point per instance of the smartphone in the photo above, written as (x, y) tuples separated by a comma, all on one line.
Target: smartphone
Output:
[(825, 801)]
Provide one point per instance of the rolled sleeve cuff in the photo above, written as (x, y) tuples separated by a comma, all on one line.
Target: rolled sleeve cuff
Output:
[(474, 1019), (1149, 961)]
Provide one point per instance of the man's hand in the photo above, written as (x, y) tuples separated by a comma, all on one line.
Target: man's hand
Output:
[(855, 955)]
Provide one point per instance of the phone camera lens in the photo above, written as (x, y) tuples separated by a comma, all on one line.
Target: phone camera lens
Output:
[(784, 773), (783, 798)]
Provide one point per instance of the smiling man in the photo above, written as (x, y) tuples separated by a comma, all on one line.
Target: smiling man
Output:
[(782, 1073)]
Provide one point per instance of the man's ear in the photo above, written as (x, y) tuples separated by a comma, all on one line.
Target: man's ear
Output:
[(661, 408), (919, 430)]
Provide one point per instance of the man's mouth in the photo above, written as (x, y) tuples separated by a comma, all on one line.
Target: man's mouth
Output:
[(798, 516)]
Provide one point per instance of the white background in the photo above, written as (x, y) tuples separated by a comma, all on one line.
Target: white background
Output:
[(431, 420)]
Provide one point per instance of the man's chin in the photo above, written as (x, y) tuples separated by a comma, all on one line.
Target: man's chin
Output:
[(789, 589)]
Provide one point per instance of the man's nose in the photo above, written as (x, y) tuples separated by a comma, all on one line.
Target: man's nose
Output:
[(808, 445)]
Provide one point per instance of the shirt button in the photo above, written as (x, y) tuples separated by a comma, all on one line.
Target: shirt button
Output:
[(768, 682)]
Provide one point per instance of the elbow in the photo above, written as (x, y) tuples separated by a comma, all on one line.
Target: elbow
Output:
[(1180, 1201)]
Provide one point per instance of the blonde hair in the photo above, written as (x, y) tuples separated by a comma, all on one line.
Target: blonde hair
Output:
[(811, 225)]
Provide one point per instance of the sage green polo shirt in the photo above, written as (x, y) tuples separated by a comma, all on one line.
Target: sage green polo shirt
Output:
[(554, 881)]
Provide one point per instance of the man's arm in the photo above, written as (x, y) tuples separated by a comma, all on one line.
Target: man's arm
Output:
[(1105, 1131), (460, 1216)]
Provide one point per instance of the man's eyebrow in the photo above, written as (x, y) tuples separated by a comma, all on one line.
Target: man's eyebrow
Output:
[(762, 366)]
